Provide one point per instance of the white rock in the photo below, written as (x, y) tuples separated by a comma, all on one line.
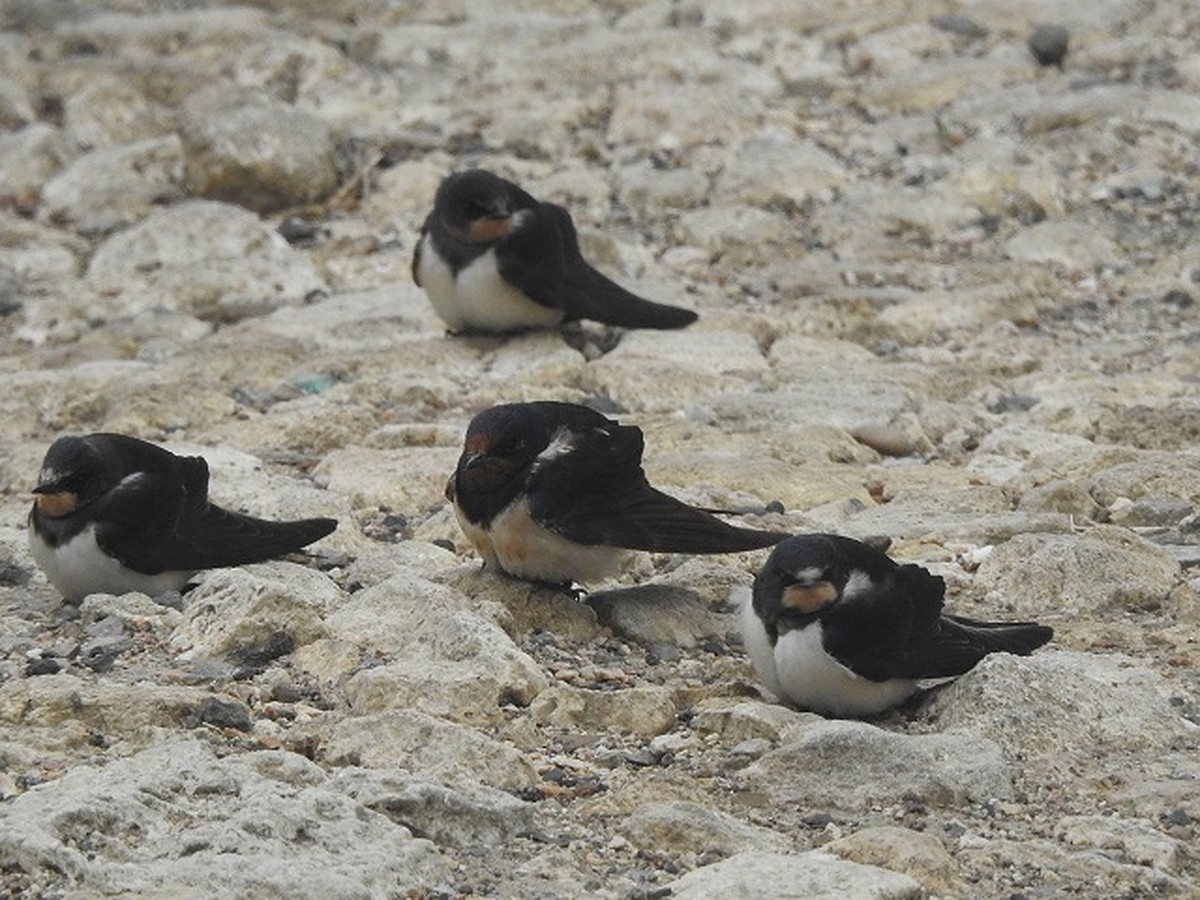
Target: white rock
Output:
[(211, 259), (121, 827), (814, 875)]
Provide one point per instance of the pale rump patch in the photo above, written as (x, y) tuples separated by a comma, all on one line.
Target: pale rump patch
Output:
[(808, 598), (479, 299), (527, 550), (56, 505)]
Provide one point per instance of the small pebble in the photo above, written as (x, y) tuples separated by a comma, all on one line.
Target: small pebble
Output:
[(42, 665), (956, 23), (1048, 44), (222, 713), (1179, 298)]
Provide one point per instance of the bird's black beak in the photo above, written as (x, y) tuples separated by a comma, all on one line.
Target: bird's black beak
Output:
[(52, 498), (49, 481)]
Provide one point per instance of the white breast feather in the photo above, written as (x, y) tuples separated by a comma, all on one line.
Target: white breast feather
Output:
[(479, 298), (527, 550), (812, 679), (79, 567)]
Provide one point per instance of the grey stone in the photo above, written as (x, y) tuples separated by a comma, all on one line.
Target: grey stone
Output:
[(774, 876), (364, 475), (1048, 44), (210, 259), (451, 817), (1061, 706), (1071, 244), (113, 108), (680, 826), (722, 228), (239, 613), (920, 856), (28, 157), (450, 656), (735, 721), (895, 234), (112, 187), (120, 828), (1151, 474), (452, 753), (15, 109), (243, 147), (1105, 568), (658, 614), (854, 766), (774, 170), (637, 710)]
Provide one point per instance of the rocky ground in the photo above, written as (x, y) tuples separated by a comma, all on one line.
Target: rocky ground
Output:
[(946, 294)]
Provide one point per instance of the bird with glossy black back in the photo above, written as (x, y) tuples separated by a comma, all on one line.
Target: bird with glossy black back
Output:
[(555, 492), (837, 627), (492, 259), (113, 514)]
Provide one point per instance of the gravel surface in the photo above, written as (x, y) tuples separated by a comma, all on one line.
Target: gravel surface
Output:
[(944, 261)]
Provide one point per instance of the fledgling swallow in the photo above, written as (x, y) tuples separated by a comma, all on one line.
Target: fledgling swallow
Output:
[(555, 492), (493, 259), (837, 627), (113, 514)]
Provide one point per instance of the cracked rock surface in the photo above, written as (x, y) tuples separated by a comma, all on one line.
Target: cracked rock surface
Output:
[(947, 294)]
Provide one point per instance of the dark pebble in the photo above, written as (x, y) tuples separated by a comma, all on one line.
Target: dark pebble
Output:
[(1013, 403), (1177, 817), (963, 26), (100, 654), (276, 644), (295, 230), (286, 692), (13, 575), (879, 542), (817, 820), (1178, 298), (1048, 44), (660, 653), (43, 665), (222, 713)]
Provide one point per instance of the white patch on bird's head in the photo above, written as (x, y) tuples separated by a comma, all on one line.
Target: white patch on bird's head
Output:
[(809, 574), (132, 480), (858, 583), (50, 475), (561, 443)]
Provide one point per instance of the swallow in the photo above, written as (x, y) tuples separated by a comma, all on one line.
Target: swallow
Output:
[(555, 492), (493, 259), (837, 627), (113, 514)]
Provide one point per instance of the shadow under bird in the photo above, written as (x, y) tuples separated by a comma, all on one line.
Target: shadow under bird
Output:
[(113, 514), (837, 627), (555, 492), (493, 259)]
